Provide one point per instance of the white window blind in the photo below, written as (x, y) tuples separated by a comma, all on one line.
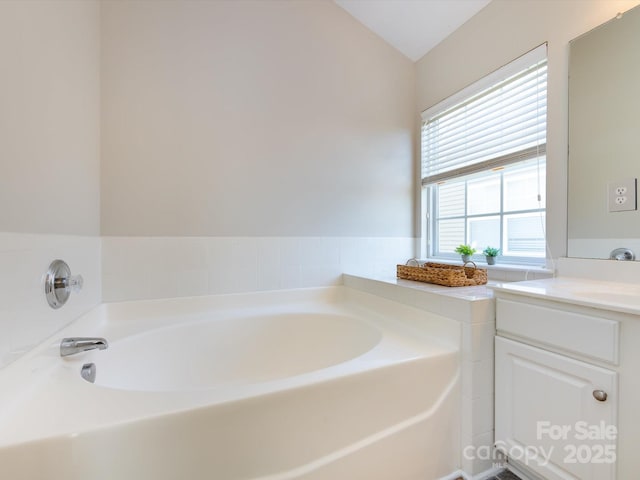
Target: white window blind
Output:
[(502, 121)]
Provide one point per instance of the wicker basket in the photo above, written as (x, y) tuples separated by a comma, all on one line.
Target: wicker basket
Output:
[(443, 274)]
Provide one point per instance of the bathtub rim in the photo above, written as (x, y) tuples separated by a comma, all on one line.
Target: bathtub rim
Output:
[(38, 360)]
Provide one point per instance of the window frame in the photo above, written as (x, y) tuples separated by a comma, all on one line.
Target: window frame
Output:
[(429, 204), (432, 203)]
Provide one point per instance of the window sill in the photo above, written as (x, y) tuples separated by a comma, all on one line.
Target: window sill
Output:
[(506, 272)]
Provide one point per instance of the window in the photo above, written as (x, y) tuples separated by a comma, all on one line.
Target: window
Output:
[(483, 164)]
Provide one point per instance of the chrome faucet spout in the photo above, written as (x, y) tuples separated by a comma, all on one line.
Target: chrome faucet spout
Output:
[(71, 346), (623, 254)]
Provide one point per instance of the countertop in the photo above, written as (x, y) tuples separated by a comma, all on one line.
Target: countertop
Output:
[(613, 296)]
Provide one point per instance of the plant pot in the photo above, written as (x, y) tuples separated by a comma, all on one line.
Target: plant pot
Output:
[(466, 258), (491, 260)]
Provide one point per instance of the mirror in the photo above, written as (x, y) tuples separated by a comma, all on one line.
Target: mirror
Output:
[(604, 138)]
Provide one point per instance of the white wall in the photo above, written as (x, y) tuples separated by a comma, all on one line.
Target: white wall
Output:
[(286, 127), (502, 31), (49, 159), (49, 117), (253, 118)]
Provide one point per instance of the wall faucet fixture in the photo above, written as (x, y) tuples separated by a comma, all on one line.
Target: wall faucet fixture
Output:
[(59, 283), (71, 346), (622, 254)]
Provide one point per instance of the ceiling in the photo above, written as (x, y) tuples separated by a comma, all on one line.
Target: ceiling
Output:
[(413, 26)]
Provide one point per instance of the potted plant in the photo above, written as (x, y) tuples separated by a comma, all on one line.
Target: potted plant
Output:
[(465, 251), (491, 253)]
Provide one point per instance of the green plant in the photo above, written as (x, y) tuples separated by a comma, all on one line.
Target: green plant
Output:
[(491, 252), (465, 250)]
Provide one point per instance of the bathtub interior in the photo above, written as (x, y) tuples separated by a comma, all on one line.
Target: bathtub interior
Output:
[(227, 352), (390, 388)]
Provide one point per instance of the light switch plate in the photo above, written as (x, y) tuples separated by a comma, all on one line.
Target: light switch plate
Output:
[(623, 195)]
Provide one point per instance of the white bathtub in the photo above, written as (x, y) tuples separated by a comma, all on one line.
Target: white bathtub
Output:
[(324, 384), (227, 352)]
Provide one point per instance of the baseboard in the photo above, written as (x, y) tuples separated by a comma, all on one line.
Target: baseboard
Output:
[(480, 476), (492, 472), (523, 472), (455, 476)]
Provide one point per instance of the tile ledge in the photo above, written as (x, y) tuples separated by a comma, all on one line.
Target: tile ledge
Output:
[(472, 293)]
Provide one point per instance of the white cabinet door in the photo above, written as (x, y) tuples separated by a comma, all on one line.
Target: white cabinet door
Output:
[(547, 414)]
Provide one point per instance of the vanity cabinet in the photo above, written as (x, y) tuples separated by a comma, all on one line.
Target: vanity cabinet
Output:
[(556, 388), (546, 404)]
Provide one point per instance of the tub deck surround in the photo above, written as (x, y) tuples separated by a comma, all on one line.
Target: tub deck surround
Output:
[(314, 417), (474, 310), (465, 304)]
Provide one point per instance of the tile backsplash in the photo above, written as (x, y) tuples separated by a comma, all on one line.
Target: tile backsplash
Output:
[(599, 269), (25, 316), (131, 268), (157, 267)]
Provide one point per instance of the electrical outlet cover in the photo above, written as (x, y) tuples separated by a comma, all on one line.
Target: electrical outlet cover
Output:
[(623, 195)]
